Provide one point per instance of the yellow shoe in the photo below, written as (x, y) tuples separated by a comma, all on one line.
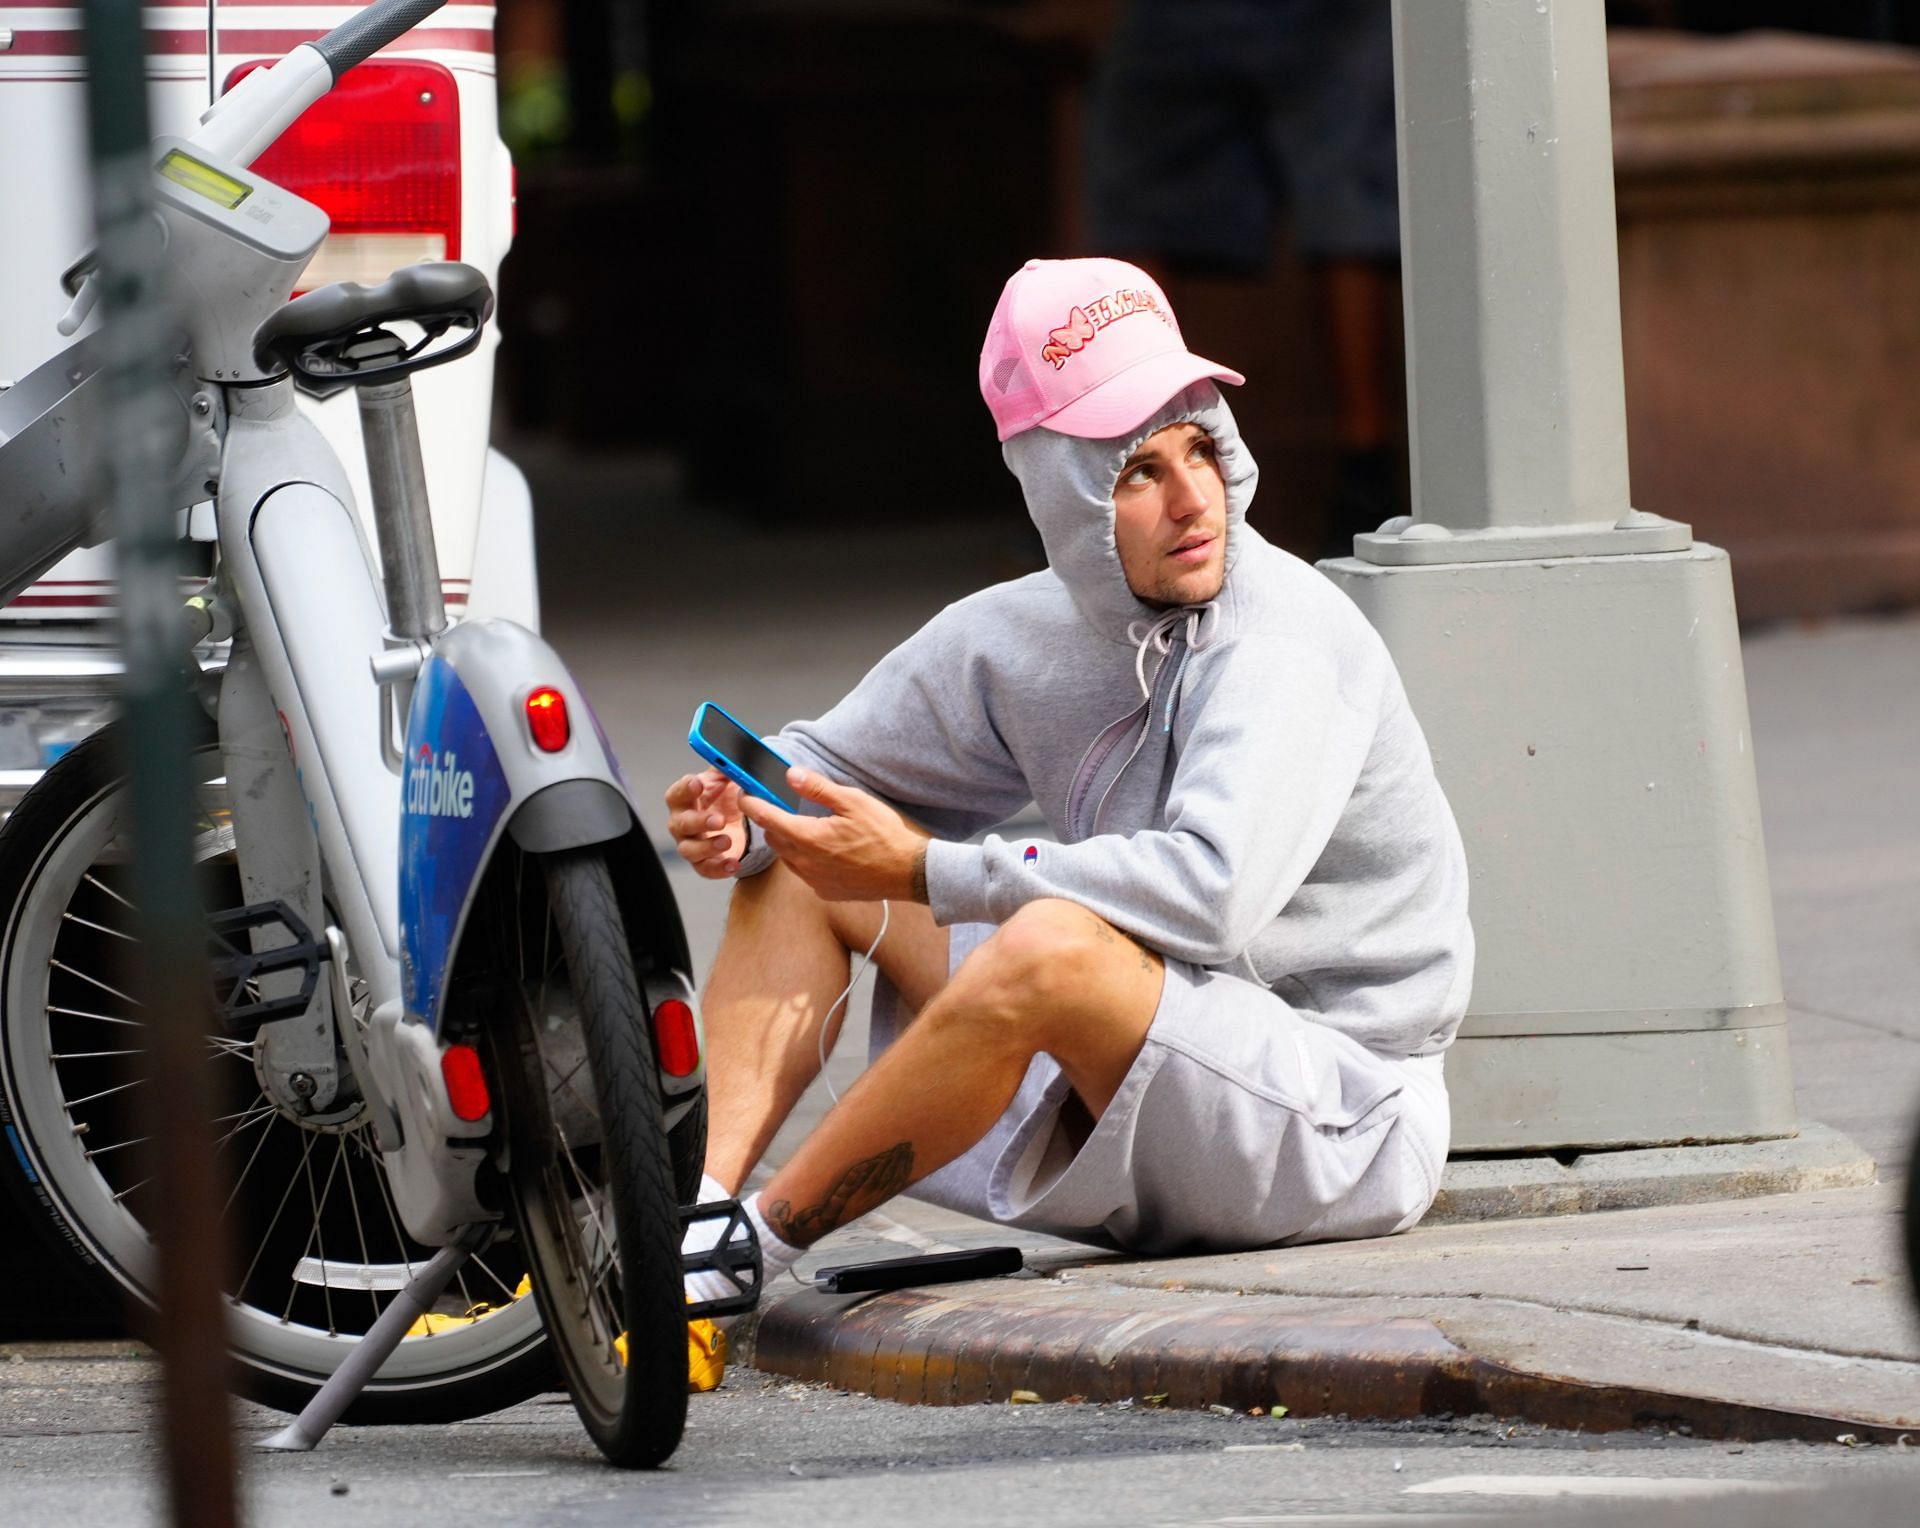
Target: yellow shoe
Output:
[(432, 1323), (706, 1355)]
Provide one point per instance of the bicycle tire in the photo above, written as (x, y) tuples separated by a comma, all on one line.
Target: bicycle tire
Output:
[(286, 1337), (1912, 1217), (687, 1150), (566, 1170)]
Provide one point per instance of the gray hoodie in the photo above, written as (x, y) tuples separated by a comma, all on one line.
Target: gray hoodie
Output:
[(1239, 784)]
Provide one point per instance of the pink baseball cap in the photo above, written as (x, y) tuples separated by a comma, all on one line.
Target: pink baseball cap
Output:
[(1086, 347)]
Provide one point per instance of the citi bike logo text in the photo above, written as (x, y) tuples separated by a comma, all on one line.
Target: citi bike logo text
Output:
[(437, 786)]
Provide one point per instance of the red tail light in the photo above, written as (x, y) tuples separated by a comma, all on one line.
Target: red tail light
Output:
[(676, 1038), (547, 719), (380, 153), (466, 1083)]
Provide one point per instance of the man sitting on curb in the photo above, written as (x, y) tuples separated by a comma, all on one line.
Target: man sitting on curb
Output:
[(1212, 1015)]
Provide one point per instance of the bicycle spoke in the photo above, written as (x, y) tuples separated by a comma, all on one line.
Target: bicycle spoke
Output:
[(247, 1171), (223, 1045), (101, 1151), (103, 1093), (61, 965), (486, 1268), (279, 1209), (265, 1111), (99, 885), (89, 1055), (102, 1018), (314, 1235), (130, 1188), (100, 928), (359, 1224)]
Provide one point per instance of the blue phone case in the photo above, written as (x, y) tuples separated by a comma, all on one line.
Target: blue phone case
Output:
[(733, 771)]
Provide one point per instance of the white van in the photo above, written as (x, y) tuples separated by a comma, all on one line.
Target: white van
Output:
[(405, 155)]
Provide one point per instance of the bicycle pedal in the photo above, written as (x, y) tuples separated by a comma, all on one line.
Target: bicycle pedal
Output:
[(735, 1257), (236, 968)]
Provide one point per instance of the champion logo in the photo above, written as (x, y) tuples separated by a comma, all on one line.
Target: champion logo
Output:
[(1032, 856), (437, 786), (1083, 323)]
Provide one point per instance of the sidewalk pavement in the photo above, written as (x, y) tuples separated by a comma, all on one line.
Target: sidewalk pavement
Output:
[(1787, 1315)]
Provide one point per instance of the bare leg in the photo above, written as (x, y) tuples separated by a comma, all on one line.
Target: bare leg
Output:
[(1053, 978), (782, 960)]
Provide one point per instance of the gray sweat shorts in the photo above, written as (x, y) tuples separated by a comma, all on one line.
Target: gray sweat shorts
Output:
[(1240, 1124)]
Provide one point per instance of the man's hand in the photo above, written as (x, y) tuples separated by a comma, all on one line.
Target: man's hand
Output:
[(863, 852), (703, 815)]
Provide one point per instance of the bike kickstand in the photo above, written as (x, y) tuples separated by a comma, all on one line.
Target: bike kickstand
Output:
[(372, 1350)]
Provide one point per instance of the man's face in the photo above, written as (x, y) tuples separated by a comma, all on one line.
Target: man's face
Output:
[(1170, 518)]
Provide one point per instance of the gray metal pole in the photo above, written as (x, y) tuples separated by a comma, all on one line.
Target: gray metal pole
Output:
[(1517, 411), (1575, 665), (143, 436)]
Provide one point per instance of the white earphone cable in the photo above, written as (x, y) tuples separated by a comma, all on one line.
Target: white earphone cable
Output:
[(886, 914)]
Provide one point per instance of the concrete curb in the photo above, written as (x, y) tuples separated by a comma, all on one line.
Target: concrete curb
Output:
[(1505, 1188), (923, 1348)]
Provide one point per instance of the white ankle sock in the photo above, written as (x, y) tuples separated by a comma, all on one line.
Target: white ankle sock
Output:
[(701, 1236), (776, 1256)]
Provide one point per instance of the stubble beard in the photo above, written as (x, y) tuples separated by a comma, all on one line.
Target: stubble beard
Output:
[(1181, 589)]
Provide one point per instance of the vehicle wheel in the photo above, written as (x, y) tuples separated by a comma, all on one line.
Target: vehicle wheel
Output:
[(687, 1147), (317, 1246), (589, 1175), (1913, 1217)]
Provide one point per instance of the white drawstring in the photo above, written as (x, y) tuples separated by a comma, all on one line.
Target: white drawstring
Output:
[(1157, 635)]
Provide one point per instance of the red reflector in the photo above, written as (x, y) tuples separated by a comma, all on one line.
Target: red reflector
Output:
[(466, 1083), (380, 155), (547, 718), (676, 1038)]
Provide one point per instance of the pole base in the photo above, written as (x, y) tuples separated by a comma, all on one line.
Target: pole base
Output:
[(1588, 721)]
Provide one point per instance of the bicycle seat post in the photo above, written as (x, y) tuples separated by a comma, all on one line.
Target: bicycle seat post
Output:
[(416, 607)]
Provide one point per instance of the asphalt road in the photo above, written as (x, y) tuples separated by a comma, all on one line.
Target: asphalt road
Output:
[(76, 1450)]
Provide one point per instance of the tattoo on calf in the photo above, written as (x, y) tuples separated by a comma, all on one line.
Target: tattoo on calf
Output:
[(859, 1189)]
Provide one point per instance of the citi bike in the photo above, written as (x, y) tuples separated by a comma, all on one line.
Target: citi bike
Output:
[(464, 1093)]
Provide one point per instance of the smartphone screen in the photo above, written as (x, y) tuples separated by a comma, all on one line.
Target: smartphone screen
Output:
[(750, 755)]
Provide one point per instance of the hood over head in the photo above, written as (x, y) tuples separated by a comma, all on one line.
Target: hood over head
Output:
[(1069, 481)]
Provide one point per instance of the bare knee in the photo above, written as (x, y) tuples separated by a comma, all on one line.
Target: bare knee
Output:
[(1039, 963), (776, 898), (775, 893)]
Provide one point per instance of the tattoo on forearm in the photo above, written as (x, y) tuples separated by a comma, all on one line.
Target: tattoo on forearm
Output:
[(862, 1187), (917, 876)]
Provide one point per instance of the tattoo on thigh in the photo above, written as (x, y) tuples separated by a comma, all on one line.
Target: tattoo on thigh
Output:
[(1108, 934), (860, 1188)]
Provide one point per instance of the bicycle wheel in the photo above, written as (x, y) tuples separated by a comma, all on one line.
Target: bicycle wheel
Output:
[(589, 1175), (687, 1148), (319, 1248)]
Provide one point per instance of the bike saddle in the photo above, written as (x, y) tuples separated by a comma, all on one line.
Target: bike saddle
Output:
[(336, 336)]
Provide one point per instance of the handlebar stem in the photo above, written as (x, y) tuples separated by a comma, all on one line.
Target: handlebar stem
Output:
[(242, 124)]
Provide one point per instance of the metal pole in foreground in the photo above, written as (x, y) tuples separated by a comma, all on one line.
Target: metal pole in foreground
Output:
[(1575, 664), (144, 436)]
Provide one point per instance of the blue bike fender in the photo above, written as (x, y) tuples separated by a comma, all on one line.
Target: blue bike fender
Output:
[(473, 771)]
